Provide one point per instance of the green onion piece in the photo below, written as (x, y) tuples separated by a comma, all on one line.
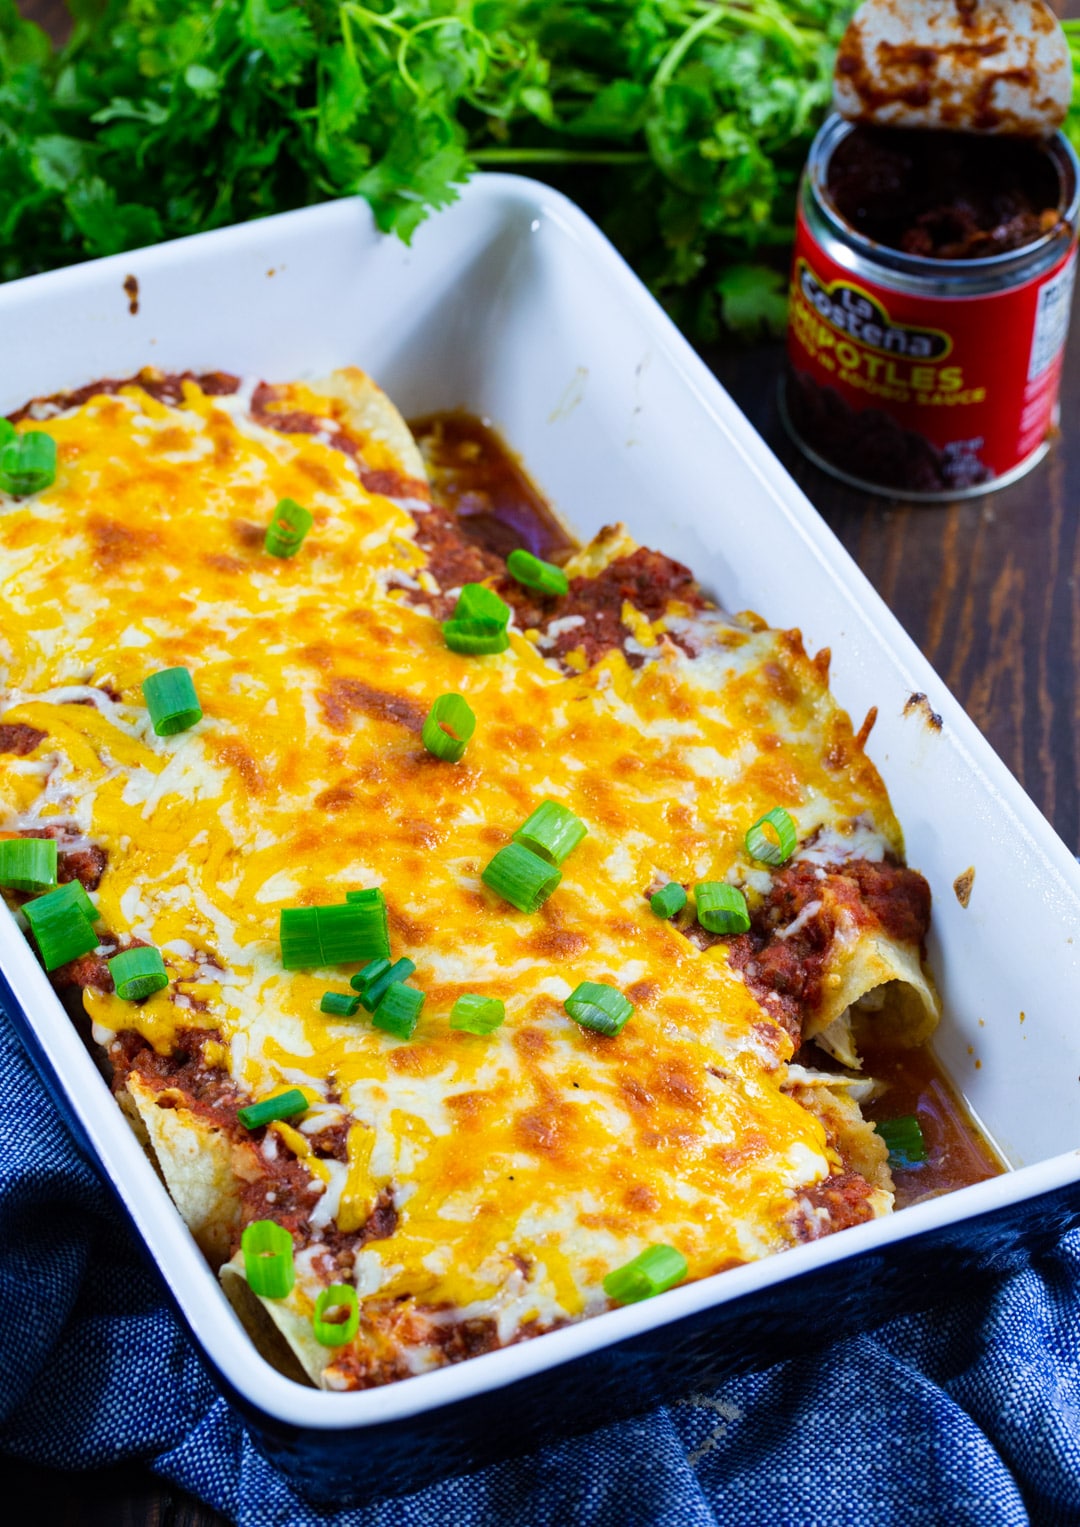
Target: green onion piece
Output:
[(477, 1015), (137, 973), (371, 923), (759, 843), (448, 728), (28, 864), (171, 700), (73, 894), (349, 932), (371, 972), (904, 1138), (374, 990), (670, 900), (521, 877), (60, 926), (599, 1007), (475, 636), (552, 831), (475, 602), (721, 908), (530, 571), (651, 1272), (316, 936), (268, 1259), (298, 933), (337, 1315), (7, 431), (399, 1010), (288, 528), (28, 463), (283, 1105), (339, 1004)]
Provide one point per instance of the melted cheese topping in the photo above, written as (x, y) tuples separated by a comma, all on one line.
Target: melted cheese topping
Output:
[(524, 1165)]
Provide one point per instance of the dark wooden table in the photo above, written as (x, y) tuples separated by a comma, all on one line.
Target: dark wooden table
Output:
[(990, 590)]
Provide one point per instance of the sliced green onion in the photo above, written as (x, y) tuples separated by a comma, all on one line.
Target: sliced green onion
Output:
[(475, 636), (761, 845), (171, 700), (268, 1259), (521, 877), (905, 1140), (283, 1105), (533, 573), (298, 933), (345, 933), (369, 924), (552, 831), (374, 990), (337, 1315), (137, 973), (399, 1010), (475, 602), (60, 926), (288, 528), (338, 935), (651, 1272), (721, 908), (7, 431), (339, 1004), (371, 972), (28, 864), (28, 463), (599, 1007), (477, 1015), (670, 900), (448, 728), (73, 894)]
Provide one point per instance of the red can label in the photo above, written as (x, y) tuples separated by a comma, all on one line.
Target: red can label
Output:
[(923, 394)]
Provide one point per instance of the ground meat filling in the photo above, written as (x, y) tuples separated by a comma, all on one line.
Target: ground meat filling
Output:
[(645, 579), (20, 739), (93, 969), (835, 1204), (457, 555), (75, 858), (167, 388), (282, 1187), (785, 973)]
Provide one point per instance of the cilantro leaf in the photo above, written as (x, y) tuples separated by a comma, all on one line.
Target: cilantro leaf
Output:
[(681, 128)]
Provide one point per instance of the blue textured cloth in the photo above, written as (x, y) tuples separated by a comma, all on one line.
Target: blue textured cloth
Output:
[(970, 1418)]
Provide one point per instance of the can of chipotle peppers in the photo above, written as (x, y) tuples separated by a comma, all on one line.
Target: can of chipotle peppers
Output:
[(930, 299)]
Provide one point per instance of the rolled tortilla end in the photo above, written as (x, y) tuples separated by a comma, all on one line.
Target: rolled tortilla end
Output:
[(878, 986)]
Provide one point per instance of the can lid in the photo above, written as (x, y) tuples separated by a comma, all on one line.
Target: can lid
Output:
[(986, 66)]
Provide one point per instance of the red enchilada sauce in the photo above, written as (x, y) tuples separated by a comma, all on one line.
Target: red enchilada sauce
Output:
[(492, 499), (913, 1083)]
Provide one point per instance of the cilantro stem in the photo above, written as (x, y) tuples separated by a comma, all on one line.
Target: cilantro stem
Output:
[(556, 156), (768, 25)]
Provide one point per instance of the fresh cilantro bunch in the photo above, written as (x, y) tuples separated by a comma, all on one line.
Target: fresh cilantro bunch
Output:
[(680, 125)]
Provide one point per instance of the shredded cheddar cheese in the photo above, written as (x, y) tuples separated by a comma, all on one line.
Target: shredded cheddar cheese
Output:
[(521, 1166)]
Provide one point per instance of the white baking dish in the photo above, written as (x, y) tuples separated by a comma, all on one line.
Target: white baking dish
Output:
[(512, 305)]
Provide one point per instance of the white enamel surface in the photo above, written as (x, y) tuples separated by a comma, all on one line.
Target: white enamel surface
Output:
[(512, 305)]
